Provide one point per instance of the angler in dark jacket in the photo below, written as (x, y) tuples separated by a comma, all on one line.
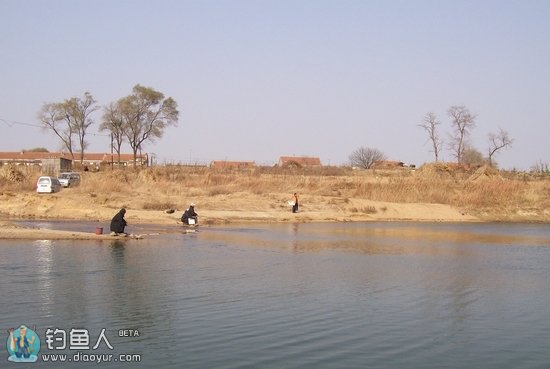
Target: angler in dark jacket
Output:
[(189, 216), (118, 222)]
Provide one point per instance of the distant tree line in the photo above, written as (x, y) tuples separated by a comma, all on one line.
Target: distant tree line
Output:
[(462, 124), (140, 117), (36, 149)]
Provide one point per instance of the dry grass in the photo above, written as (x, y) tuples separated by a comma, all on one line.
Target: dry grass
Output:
[(17, 178), (369, 209), (160, 188), (158, 206)]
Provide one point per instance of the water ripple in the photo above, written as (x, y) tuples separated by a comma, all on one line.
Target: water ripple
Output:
[(306, 296)]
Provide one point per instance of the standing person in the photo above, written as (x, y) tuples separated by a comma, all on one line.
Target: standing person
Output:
[(190, 217), (295, 206), (118, 223)]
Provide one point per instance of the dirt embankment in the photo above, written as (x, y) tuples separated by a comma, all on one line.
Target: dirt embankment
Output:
[(262, 195)]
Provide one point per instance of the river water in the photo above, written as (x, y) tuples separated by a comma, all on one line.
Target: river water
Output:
[(330, 295)]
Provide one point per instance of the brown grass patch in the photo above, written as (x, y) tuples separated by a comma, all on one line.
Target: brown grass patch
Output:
[(159, 188), (158, 206)]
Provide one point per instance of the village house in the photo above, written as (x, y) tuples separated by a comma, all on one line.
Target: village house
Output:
[(94, 160), (62, 161), (299, 161), (50, 162), (29, 157)]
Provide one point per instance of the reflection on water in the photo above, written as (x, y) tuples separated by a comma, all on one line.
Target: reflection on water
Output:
[(377, 238), (352, 295)]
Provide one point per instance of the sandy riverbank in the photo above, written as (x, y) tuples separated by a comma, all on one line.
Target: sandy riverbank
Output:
[(262, 195), (10, 230), (60, 207)]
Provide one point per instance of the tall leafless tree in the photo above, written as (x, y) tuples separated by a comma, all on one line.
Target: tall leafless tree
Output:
[(430, 123), (365, 157), (462, 121), (80, 110), (114, 123), (69, 119), (498, 141), (53, 117)]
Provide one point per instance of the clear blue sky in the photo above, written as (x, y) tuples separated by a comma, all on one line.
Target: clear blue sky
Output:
[(258, 79)]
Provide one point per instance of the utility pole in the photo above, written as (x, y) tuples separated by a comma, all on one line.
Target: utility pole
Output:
[(112, 144)]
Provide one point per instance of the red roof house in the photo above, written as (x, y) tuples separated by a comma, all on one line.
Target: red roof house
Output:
[(299, 161)]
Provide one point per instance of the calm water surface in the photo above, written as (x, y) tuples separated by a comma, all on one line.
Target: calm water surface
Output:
[(346, 295)]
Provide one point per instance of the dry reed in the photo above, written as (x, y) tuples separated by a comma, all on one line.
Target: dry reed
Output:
[(159, 187)]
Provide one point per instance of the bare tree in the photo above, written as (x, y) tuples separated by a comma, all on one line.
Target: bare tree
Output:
[(541, 167), (53, 117), (430, 124), (79, 111), (462, 121), (365, 157), (146, 113), (498, 141), (69, 120), (114, 123)]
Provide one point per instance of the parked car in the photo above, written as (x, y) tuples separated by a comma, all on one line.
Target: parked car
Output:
[(47, 184), (69, 179)]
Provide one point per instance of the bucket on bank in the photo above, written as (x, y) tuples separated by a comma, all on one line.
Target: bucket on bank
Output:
[(99, 230)]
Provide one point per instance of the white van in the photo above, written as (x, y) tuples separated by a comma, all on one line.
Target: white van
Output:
[(47, 184), (69, 179)]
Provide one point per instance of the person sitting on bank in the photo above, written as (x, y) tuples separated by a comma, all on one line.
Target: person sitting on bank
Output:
[(190, 217), (118, 223)]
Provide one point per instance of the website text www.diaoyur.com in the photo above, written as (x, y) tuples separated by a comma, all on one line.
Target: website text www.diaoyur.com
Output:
[(91, 358)]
